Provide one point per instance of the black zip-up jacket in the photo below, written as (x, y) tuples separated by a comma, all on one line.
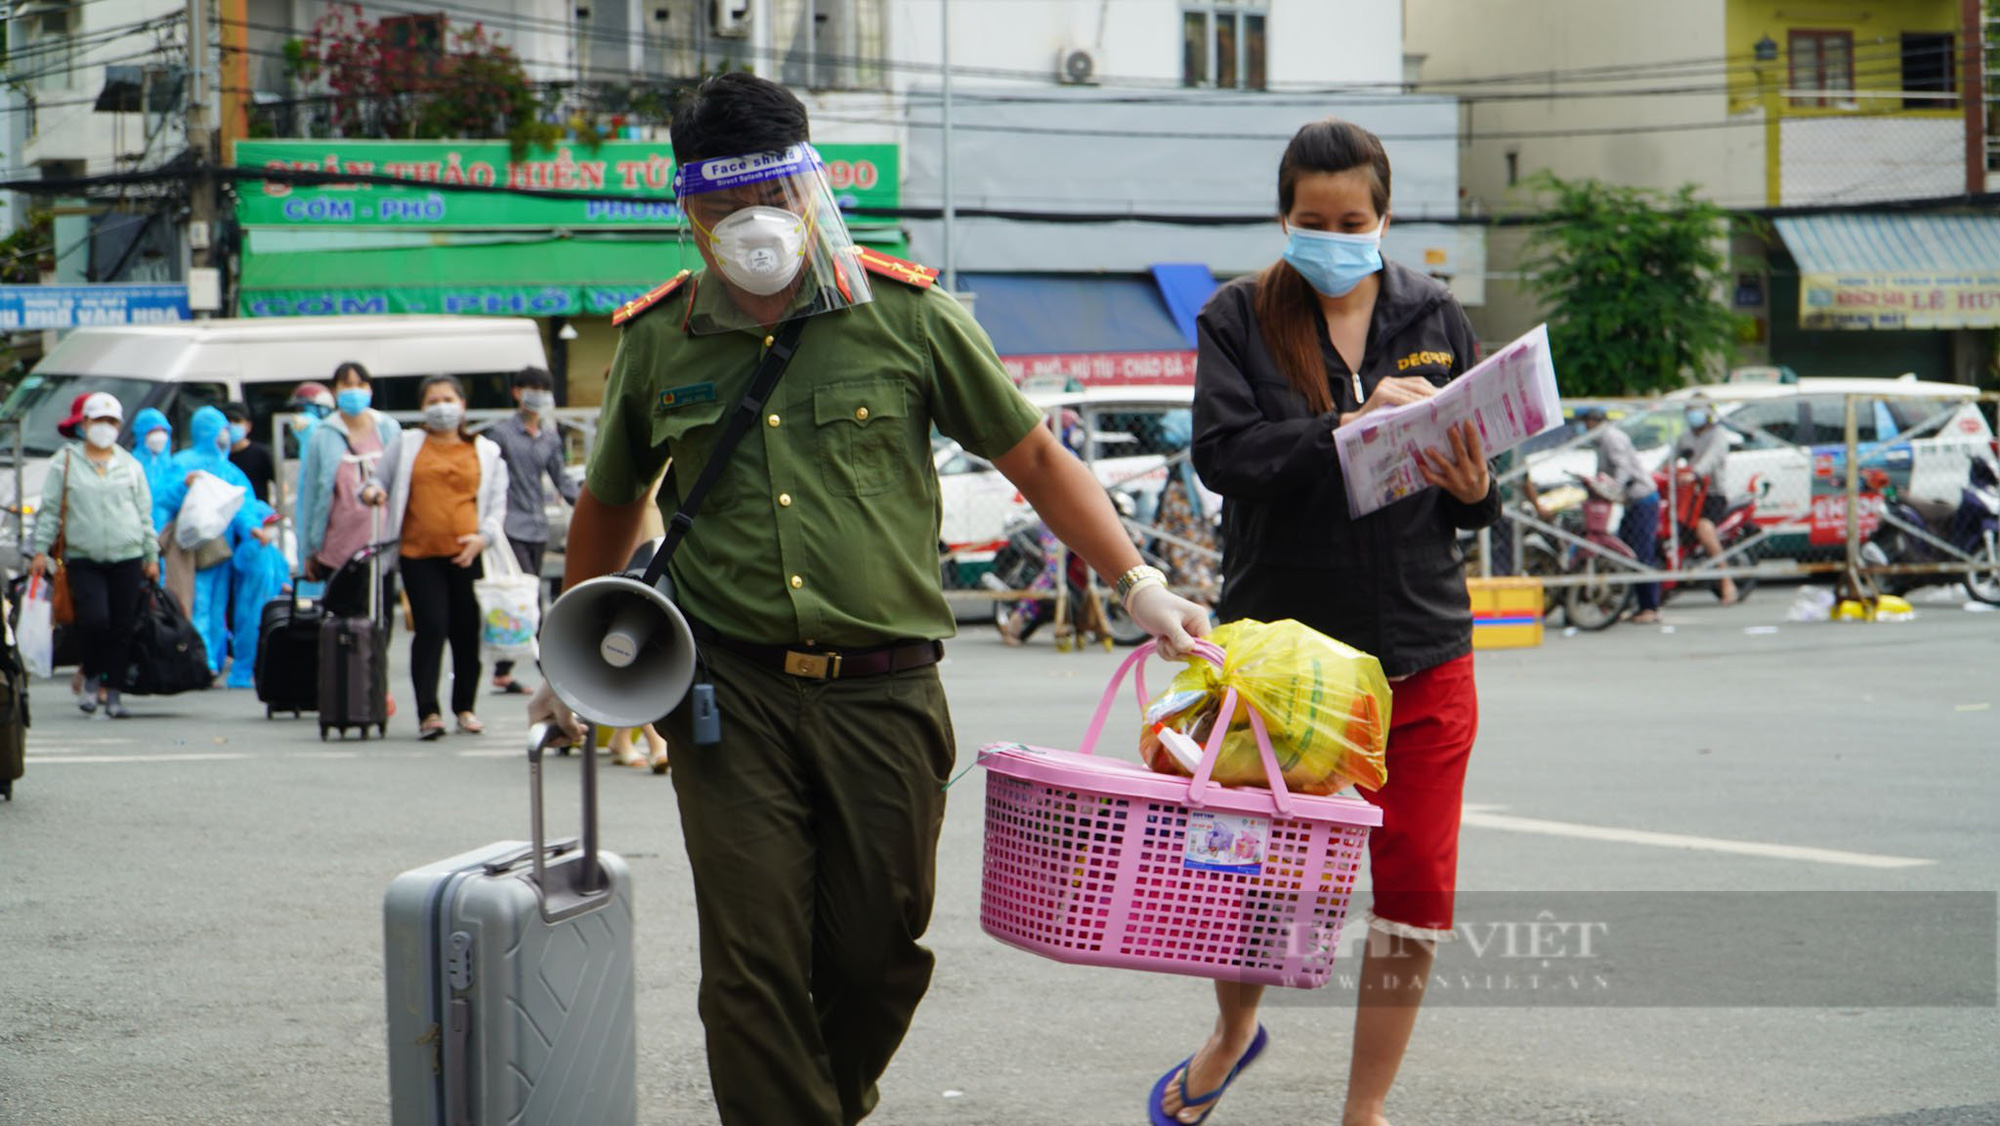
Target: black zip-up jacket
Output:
[(1391, 583)]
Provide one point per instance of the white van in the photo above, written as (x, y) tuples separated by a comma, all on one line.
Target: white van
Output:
[(180, 368)]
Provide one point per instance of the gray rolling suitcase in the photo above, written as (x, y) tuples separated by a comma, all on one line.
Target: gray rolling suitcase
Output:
[(510, 981)]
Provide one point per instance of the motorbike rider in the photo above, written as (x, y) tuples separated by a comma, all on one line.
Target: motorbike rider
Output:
[(1705, 446), (1618, 461)]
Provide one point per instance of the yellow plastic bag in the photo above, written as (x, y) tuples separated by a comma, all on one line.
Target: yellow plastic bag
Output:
[(1325, 705)]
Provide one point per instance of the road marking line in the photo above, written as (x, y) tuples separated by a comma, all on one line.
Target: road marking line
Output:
[(1973, 707), (1479, 817), (134, 758)]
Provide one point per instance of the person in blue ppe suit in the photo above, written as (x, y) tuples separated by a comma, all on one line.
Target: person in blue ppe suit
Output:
[(208, 452), (153, 445), (260, 574)]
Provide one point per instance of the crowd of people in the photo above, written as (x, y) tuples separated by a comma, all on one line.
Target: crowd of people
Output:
[(432, 502)]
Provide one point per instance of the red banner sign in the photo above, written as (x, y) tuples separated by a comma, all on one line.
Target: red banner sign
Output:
[(1105, 369)]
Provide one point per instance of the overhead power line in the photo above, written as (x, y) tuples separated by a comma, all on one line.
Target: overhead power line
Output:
[(184, 171)]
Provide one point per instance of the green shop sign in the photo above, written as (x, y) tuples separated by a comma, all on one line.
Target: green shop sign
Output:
[(861, 176)]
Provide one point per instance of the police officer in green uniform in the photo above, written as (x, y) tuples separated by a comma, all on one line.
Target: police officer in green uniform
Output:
[(811, 578)]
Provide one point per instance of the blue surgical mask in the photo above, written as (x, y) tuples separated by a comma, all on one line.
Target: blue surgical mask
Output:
[(238, 433), (1335, 263), (1697, 419), (354, 400)]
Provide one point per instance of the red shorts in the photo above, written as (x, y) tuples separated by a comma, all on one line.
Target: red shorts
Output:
[(1413, 857)]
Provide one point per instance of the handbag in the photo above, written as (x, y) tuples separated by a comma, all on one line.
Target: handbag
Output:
[(510, 608), (210, 552), (62, 610), (167, 656)]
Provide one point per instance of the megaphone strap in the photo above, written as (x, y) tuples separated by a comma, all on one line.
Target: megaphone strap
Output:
[(777, 354)]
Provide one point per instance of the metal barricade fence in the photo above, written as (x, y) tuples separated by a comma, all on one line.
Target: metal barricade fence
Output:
[(1865, 488), (995, 553)]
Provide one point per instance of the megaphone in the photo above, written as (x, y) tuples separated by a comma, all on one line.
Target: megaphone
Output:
[(618, 651)]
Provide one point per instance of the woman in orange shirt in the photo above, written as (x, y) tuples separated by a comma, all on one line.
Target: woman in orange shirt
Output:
[(448, 496)]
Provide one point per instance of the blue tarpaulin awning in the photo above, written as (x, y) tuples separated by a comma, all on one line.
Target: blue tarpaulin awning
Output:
[(1047, 314)]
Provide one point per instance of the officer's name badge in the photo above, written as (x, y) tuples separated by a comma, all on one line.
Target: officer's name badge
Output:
[(674, 397)]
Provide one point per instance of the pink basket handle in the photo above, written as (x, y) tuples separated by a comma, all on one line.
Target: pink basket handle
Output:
[(1208, 651), (1281, 798)]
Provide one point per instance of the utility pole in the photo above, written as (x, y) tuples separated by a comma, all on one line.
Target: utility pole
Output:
[(1972, 93), (944, 115), (204, 289)]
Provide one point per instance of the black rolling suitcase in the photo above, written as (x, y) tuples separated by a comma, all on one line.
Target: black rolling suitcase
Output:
[(354, 659), (288, 656)]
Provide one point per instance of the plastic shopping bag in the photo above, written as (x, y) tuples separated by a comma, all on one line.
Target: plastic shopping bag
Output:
[(210, 505), (1325, 704), (510, 608), (36, 631)]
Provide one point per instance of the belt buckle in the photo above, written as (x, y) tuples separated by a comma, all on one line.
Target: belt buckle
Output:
[(812, 666)]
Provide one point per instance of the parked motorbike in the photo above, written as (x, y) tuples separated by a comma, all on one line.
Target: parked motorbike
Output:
[(1598, 601), (1971, 529), (1023, 559), (1679, 547)]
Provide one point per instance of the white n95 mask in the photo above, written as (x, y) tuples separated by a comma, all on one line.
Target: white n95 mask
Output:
[(760, 249)]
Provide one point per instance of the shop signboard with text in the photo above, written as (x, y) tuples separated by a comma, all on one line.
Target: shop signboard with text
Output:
[(860, 175), (1891, 301)]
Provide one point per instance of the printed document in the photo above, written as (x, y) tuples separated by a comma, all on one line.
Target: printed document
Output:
[(1509, 397)]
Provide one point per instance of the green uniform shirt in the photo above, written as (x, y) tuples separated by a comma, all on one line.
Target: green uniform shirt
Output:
[(824, 526)]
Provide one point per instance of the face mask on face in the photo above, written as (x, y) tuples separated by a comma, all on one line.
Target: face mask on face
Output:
[(354, 400), (238, 433), (443, 416), (760, 249), (222, 441), (1335, 263), (1697, 419), (158, 440), (538, 402), (101, 434)]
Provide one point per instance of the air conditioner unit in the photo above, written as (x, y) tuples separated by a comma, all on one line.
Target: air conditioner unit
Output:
[(1076, 66), (730, 19)]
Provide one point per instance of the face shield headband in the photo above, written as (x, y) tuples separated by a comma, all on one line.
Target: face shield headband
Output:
[(760, 248)]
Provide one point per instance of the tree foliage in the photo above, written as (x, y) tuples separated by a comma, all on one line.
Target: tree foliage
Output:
[(385, 80), (1632, 280)]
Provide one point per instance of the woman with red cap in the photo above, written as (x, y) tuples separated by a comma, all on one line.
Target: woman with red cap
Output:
[(100, 507)]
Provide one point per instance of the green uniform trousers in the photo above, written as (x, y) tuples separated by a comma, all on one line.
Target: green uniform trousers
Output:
[(812, 832)]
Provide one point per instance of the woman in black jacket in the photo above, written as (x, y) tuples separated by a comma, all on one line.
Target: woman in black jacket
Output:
[(1323, 337)]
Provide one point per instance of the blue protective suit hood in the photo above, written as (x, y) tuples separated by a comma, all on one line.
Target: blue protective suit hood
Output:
[(204, 429), (147, 421)]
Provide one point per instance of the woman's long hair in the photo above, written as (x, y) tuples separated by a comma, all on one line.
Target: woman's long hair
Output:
[(451, 381), (1284, 300)]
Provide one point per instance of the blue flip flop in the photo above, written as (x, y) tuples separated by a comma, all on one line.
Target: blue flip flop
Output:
[(1160, 1117)]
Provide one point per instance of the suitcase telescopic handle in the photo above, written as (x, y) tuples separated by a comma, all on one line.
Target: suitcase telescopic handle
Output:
[(585, 884)]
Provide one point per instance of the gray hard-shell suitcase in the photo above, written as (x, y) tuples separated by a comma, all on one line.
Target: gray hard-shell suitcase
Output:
[(510, 981)]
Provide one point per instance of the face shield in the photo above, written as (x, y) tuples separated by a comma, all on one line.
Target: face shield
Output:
[(768, 226)]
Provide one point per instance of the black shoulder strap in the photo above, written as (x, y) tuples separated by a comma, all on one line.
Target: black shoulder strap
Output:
[(762, 382)]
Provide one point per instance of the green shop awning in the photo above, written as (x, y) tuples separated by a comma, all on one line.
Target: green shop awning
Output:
[(515, 274)]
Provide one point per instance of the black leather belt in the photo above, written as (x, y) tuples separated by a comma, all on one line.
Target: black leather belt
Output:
[(812, 662)]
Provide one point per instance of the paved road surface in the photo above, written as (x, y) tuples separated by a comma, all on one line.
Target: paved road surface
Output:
[(190, 901)]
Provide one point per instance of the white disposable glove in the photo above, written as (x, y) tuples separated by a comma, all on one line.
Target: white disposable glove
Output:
[(1172, 620), (545, 707)]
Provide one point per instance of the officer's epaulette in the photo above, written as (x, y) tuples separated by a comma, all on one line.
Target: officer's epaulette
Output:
[(909, 273), (642, 303)]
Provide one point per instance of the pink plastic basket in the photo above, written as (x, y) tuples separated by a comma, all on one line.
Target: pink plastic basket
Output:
[(1102, 862)]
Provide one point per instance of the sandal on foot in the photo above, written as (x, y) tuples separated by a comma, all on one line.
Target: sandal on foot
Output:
[(1178, 1075), (431, 729), (468, 724), (659, 761), (511, 688)]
